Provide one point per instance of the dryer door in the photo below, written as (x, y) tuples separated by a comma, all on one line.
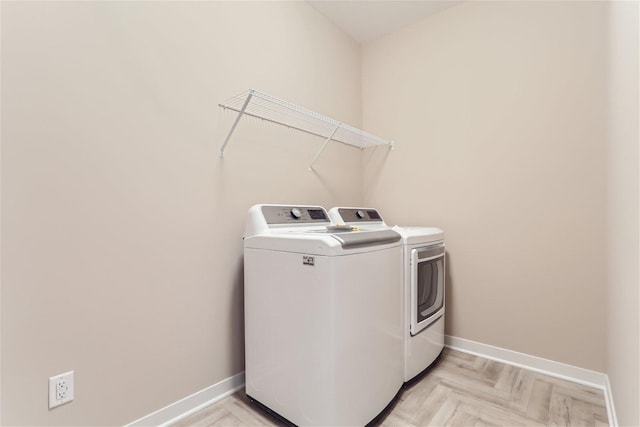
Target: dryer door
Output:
[(427, 286)]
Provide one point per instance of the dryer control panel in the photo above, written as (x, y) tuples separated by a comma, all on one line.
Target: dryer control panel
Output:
[(350, 215)]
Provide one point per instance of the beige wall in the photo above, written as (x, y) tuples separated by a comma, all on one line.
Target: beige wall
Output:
[(122, 228), (121, 249), (498, 110), (622, 220)]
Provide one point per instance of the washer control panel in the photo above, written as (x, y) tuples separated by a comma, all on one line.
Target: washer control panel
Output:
[(349, 215), (294, 214)]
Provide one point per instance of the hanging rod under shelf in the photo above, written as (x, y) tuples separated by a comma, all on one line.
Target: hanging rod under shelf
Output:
[(254, 103)]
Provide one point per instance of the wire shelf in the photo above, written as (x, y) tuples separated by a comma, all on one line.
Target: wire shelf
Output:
[(254, 103)]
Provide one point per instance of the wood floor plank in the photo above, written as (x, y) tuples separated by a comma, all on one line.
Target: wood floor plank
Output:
[(412, 399), (521, 391), (507, 377), (429, 407), (539, 400), (495, 413), (207, 416), (393, 420), (559, 408), (247, 416), (444, 413), (463, 417), (460, 389)]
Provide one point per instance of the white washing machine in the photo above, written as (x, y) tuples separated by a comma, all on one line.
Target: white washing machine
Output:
[(423, 283), (323, 316)]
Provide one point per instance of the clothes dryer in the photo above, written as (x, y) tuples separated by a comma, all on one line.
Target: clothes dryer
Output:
[(323, 317), (422, 281)]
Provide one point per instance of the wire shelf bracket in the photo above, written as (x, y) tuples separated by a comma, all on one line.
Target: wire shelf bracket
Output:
[(256, 104)]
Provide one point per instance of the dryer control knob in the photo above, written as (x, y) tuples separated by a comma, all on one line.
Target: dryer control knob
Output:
[(360, 214), (295, 212)]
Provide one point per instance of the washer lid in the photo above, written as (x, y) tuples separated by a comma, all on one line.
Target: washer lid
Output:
[(323, 241)]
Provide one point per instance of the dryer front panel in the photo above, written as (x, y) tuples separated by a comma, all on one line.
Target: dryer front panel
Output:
[(427, 286)]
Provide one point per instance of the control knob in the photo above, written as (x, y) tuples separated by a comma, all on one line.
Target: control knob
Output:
[(295, 212), (360, 214)]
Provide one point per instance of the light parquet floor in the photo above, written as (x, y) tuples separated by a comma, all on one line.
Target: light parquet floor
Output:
[(458, 390)]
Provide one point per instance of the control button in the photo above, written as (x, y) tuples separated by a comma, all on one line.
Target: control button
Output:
[(360, 214), (295, 212)]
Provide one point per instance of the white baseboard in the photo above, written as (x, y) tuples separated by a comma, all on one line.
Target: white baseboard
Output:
[(527, 361), (199, 400), (538, 364), (191, 404), (611, 409)]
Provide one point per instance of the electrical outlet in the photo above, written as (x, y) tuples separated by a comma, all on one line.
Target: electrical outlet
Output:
[(60, 389)]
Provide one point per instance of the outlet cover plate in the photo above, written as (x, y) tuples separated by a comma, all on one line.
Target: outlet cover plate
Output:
[(60, 389)]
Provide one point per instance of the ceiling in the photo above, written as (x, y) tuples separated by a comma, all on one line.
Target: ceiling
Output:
[(366, 20)]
